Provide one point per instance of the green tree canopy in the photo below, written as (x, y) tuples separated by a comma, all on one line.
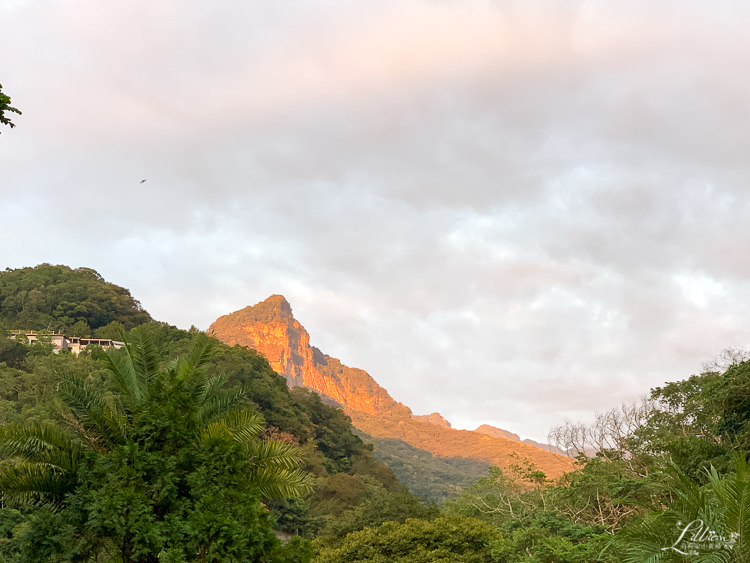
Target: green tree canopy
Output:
[(449, 539), (708, 523), (58, 297), (6, 107), (699, 422)]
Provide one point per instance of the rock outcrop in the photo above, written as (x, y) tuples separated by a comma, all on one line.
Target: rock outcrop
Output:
[(270, 328), (497, 432), (434, 418), (548, 447)]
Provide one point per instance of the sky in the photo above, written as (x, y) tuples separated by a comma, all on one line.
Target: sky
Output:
[(509, 212)]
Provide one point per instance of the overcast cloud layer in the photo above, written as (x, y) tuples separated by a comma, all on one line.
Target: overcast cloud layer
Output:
[(508, 212)]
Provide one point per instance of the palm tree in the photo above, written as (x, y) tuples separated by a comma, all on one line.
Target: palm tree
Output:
[(41, 461), (709, 523)]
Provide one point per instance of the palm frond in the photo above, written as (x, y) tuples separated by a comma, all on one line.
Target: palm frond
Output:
[(171, 366), (244, 424), (201, 351), (208, 388), (144, 356), (274, 464), (721, 509), (33, 484), (216, 406), (275, 454), (121, 365), (718, 556), (274, 483), (97, 421), (643, 543), (116, 418), (192, 374), (215, 430), (733, 494), (689, 497), (40, 444)]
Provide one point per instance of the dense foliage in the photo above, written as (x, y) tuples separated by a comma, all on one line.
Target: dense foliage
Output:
[(669, 482), (432, 478), (443, 540), (700, 421), (702, 523), (567, 521), (165, 462), (34, 382), (60, 298), (107, 457)]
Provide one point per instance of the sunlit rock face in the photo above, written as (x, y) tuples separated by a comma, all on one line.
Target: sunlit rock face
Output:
[(270, 328), (497, 432), (434, 418)]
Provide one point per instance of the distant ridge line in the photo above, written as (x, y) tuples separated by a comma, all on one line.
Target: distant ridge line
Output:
[(270, 328)]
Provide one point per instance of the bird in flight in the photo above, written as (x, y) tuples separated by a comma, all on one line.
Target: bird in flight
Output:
[(142, 181)]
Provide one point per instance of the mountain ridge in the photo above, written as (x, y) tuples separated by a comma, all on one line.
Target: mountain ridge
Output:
[(494, 431), (270, 328)]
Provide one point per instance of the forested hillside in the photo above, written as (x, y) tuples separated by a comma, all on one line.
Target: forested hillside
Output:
[(180, 448), (351, 488), (432, 478), (58, 298)]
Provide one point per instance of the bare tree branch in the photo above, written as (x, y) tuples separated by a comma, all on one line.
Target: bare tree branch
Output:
[(725, 359)]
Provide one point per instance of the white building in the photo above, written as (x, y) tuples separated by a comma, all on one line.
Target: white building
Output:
[(73, 343)]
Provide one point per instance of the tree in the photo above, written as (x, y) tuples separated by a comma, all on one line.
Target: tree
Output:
[(726, 359), (610, 435), (702, 524), (56, 297), (167, 463), (549, 538), (568, 521), (700, 421), (450, 539), (12, 353), (503, 495), (604, 493), (5, 106)]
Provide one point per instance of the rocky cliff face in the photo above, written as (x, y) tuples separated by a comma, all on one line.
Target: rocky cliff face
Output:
[(270, 328), (497, 432)]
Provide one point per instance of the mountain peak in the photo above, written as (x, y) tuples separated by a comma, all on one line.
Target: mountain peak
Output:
[(273, 307), (279, 302), (270, 328), (434, 418)]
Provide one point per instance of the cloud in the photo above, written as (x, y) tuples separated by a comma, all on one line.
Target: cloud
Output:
[(509, 212)]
